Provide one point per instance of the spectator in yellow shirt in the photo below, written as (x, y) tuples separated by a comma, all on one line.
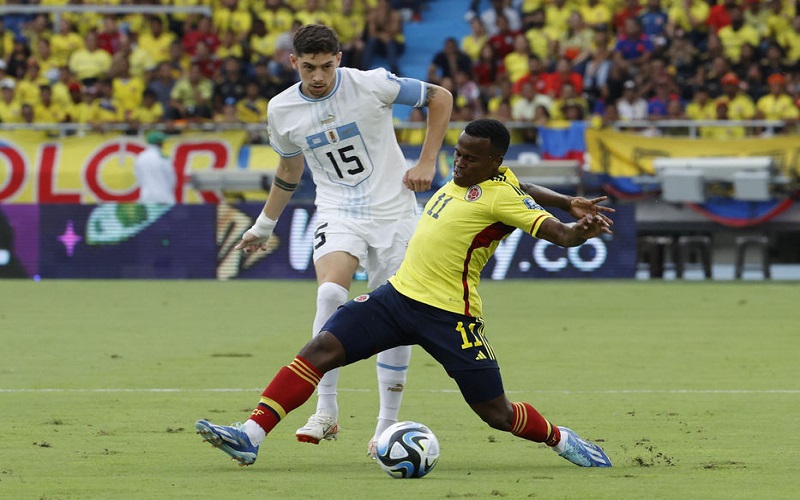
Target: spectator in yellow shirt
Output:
[(228, 16), (596, 14), (516, 61), (190, 98), (557, 15), (276, 16), (540, 37), (778, 20), (471, 44), (229, 46), (150, 110), (127, 90), (740, 106), (157, 41), (252, 108), (46, 110), (723, 132), (61, 88), (83, 98), (64, 43), (777, 105), (313, 13), (6, 40), (261, 43), (44, 56), (737, 34), (790, 41), (691, 16), (28, 87), (107, 109), (10, 111), (349, 24), (701, 107), (90, 63)]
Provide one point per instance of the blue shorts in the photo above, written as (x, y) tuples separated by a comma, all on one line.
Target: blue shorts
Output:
[(385, 318)]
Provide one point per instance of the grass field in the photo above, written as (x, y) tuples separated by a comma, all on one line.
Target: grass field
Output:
[(692, 388)]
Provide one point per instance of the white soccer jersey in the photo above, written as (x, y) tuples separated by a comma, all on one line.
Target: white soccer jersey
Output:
[(349, 143)]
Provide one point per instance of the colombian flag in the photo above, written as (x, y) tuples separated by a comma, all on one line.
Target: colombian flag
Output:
[(563, 140)]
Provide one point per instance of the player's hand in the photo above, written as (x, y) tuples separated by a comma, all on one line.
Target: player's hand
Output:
[(256, 237), (251, 243), (580, 207), (590, 226), (419, 177)]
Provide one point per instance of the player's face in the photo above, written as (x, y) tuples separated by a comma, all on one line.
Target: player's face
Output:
[(474, 160), (317, 73)]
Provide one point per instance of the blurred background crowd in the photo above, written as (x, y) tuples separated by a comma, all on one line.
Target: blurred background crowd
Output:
[(531, 61)]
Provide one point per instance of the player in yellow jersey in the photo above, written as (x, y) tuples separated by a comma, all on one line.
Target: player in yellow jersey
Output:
[(433, 302)]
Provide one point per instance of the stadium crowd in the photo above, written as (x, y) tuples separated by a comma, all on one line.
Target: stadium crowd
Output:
[(534, 61)]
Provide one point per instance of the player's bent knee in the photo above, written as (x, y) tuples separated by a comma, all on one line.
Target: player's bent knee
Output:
[(324, 352)]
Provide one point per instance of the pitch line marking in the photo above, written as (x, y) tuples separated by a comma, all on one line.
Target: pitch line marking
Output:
[(455, 391)]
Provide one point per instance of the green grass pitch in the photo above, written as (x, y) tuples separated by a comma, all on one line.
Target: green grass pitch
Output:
[(692, 388)]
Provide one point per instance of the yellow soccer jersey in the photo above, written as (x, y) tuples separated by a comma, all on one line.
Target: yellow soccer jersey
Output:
[(458, 231)]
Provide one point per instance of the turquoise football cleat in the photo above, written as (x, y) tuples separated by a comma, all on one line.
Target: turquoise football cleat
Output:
[(229, 438), (581, 452)]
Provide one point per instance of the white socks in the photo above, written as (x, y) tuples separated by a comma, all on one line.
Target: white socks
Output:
[(329, 297), (255, 432), (392, 367)]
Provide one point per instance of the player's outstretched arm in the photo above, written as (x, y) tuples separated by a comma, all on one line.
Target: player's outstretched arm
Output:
[(287, 177), (575, 233), (576, 206), (439, 102)]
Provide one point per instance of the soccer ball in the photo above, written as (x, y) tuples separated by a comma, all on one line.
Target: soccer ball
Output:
[(407, 450)]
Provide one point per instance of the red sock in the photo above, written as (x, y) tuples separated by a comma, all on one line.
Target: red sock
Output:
[(530, 424), (290, 388)]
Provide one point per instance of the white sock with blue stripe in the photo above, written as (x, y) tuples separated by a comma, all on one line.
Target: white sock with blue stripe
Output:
[(392, 367)]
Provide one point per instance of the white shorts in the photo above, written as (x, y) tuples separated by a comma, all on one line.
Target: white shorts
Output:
[(379, 245)]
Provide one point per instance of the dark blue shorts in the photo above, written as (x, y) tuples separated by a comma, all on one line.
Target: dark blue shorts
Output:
[(384, 318)]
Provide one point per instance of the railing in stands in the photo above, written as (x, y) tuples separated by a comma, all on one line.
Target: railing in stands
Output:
[(691, 127)]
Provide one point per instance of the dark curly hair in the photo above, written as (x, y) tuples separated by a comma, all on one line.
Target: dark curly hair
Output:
[(496, 132), (315, 39)]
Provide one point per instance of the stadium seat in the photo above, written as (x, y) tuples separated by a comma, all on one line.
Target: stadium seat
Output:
[(760, 243), (653, 251), (701, 246)]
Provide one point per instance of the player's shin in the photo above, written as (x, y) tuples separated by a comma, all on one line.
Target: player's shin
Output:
[(530, 424), (392, 368), (290, 388)]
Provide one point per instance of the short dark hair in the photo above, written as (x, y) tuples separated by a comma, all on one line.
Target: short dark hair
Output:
[(496, 132), (315, 39)]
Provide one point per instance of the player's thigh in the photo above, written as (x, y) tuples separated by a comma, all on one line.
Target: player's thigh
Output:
[(369, 324), (336, 267), (459, 344)]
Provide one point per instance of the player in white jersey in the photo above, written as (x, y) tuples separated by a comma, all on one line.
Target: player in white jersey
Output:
[(339, 120)]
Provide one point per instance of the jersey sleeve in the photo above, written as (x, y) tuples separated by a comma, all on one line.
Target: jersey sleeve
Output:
[(281, 142), (392, 89), (516, 208)]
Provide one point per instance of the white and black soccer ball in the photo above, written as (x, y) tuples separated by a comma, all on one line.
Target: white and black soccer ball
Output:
[(407, 450)]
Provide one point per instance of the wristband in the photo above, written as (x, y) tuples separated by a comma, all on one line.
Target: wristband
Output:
[(263, 226)]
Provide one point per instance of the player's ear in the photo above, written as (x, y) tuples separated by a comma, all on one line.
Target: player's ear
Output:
[(293, 60)]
